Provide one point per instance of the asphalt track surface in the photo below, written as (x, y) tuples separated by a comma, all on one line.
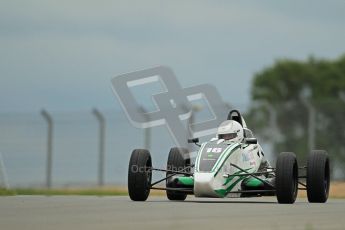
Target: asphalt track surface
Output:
[(116, 213)]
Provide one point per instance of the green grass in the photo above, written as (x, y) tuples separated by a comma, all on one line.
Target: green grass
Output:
[(6, 192), (57, 192), (337, 190)]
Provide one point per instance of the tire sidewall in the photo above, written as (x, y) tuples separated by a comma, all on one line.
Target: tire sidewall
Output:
[(139, 174), (286, 178), (318, 176)]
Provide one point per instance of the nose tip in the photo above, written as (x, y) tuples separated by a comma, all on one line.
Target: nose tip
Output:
[(204, 185)]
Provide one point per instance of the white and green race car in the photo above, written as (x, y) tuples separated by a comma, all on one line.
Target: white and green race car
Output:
[(231, 165)]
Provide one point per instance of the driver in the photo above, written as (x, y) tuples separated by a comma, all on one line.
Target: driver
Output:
[(230, 130)]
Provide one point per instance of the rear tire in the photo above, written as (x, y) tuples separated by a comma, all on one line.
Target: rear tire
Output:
[(139, 175), (177, 160), (286, 178), (318, 176)]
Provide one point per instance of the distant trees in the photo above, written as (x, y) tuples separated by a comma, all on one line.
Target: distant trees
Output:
[(308, 100)]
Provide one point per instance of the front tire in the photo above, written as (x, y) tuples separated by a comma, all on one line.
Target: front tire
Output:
[(286, 178), (178, 159), (318, 176), (139, 175)]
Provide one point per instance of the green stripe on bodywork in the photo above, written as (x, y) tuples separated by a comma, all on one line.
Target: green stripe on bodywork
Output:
[(238, 173), (225, 155), (253, 182), (197, 160), (231, 177), (224, 192), (189, 181), (221, 192)]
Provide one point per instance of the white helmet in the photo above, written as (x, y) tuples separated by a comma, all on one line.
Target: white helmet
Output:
[(230, 130)]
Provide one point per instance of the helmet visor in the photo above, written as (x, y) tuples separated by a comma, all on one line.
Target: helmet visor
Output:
[(227, 136)]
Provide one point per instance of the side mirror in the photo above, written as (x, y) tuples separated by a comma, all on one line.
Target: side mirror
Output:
[(251, 141), (193, 140)]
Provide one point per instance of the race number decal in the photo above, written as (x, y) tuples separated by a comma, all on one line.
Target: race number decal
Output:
[(214, 150)]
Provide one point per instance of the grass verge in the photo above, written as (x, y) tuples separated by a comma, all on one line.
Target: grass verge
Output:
[(337, 190), (65, 191)]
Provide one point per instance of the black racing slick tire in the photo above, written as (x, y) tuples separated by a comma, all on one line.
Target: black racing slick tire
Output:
[(318, 176), (178, 159), (286, 178), (139, 175)]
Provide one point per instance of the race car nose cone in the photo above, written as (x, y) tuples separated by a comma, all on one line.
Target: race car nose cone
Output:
[(204, 185)]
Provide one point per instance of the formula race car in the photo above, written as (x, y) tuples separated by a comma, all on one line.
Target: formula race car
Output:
[(231, 165)]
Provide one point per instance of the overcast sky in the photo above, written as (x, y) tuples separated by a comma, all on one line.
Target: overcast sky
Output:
[(62, 54)]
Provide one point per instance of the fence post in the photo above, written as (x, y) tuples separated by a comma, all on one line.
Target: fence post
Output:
[(49, 162), (147, 130), (101, 158), (191, 120), (3, 173), (273, 122), (342, 96), (305, 95)]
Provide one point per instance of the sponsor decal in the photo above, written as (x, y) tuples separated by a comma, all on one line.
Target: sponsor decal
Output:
[(247, 156)]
